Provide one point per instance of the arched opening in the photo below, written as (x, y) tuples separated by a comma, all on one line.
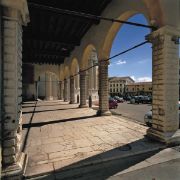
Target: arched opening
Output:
[(47, 87), (89, 60), (74, 72), (66, 83), (130, 75)]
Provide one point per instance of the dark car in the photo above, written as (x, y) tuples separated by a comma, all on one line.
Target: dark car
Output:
[(146, 100), (135, 99), (119, 99), (112, 103)]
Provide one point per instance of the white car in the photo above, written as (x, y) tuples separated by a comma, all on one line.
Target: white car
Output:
[(148, 118)]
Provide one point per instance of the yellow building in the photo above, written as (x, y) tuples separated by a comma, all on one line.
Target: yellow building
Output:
[(117, 85), (139, 88)]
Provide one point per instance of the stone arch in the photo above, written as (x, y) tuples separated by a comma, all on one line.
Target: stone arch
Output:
[(86, 53), (112, 32), (89, 59), (74, 66), (66, 72), (74, 69), (61, 72)]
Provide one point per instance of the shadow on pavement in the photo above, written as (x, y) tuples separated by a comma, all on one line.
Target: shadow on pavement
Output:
[(103, 165)]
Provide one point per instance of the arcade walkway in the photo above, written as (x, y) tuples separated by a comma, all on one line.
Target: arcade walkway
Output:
[(60, 137)]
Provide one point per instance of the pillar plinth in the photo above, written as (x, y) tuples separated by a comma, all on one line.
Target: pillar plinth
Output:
[(83, 87), (103, 89), (165, 116)]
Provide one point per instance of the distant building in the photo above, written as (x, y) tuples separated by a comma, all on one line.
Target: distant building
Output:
[(139, 88), (117, 85)]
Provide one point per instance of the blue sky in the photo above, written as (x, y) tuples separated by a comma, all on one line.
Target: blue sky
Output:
[(136, 63)]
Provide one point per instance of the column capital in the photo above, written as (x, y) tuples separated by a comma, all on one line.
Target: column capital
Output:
[(159, 35), (19, 5), (103, 62)]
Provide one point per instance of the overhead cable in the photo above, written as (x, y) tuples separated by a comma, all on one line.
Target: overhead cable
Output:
[(88, 16), (112, 57)]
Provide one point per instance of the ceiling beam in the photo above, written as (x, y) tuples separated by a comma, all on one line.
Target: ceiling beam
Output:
[(44, 38), (34, 52)]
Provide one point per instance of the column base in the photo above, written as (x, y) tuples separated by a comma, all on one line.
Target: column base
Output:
[(72, 102), (169, 138), (49, 98), (103, 113), (55, 98), (83, 106), (16, 171)]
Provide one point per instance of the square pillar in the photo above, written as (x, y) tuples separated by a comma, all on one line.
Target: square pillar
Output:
[(72, 90), (61, 90), (103, 89), (65, 90), (49, 87), (165, 84), (83, 86), (13, 16)]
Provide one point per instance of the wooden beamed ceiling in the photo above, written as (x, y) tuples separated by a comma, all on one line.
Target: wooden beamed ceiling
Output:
[(50, 36)]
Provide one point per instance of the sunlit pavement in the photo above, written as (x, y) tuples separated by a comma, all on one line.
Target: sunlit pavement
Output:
[(60, 137), (134, 112)]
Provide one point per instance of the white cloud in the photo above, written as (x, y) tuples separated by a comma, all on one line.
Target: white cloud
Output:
[(141, 79), (144, 79), (133, 77), (120, 62)]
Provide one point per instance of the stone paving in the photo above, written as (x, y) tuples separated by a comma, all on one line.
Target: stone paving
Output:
[(58, 135)]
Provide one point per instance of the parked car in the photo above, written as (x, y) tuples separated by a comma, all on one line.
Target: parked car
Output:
[(148, 117), (119, 99), (112, 103), (134, 100), (127, 98), (146, 100)]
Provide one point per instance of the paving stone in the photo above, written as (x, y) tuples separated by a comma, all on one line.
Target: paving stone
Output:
[(39, 169), (53, 147), (81, 141)]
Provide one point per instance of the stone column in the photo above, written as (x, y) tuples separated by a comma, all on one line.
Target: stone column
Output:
[(83, 86), (54, 87), (165, 85), (48, 87), (61, 90), (12, 17), (72, 90), (65, 90), (103, 89)]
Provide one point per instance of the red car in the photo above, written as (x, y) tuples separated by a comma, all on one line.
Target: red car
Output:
[(112, 103)]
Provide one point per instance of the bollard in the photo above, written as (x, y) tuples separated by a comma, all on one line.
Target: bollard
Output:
[(78, 99), (90, 101)]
